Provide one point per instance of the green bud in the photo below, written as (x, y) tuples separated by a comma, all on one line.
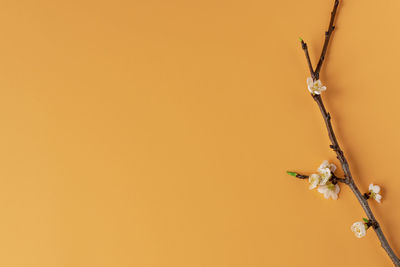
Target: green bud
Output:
[(292, 173), (301, 39), (365, 220)]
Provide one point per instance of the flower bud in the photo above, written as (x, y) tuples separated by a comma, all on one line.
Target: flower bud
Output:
[(292, 173)]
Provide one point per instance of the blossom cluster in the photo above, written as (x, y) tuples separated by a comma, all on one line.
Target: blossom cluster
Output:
[(326, 182), (322, 180)]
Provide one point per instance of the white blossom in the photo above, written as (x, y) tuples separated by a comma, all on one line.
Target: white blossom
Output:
[(314, 180), (325, 171), (329, 190), (315, 87), (359, 229), (374, 191), (325, 175), (326, 164)]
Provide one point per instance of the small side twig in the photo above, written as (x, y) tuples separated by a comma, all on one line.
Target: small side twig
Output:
[(295, 174), (334, 179), (305, 48)]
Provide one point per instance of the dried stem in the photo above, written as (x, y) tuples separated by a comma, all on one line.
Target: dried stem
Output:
[(335, 144)]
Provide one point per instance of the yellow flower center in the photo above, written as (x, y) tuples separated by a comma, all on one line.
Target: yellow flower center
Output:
[(331, 186)]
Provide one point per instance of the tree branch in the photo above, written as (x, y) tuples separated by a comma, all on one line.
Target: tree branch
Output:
[(328, 35), (336, 147), (350, 182)]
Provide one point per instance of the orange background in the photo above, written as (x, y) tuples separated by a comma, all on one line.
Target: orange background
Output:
[(158, 133)]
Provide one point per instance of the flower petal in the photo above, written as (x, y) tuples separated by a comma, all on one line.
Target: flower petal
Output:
[(370, 187), (323, 165), (337, 189), (378, 198), (332, 167), (376, 189), (322, 189), (310, 82), (313, 180)]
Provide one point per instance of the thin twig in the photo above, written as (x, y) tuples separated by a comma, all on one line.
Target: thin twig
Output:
[(335, 144), (334, 179), (305, 48), (328, 35)]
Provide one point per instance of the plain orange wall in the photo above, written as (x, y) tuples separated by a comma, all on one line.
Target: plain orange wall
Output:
[(157, 133)]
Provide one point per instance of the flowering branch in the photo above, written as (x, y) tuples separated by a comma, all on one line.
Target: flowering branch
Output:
[(325, 179)]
